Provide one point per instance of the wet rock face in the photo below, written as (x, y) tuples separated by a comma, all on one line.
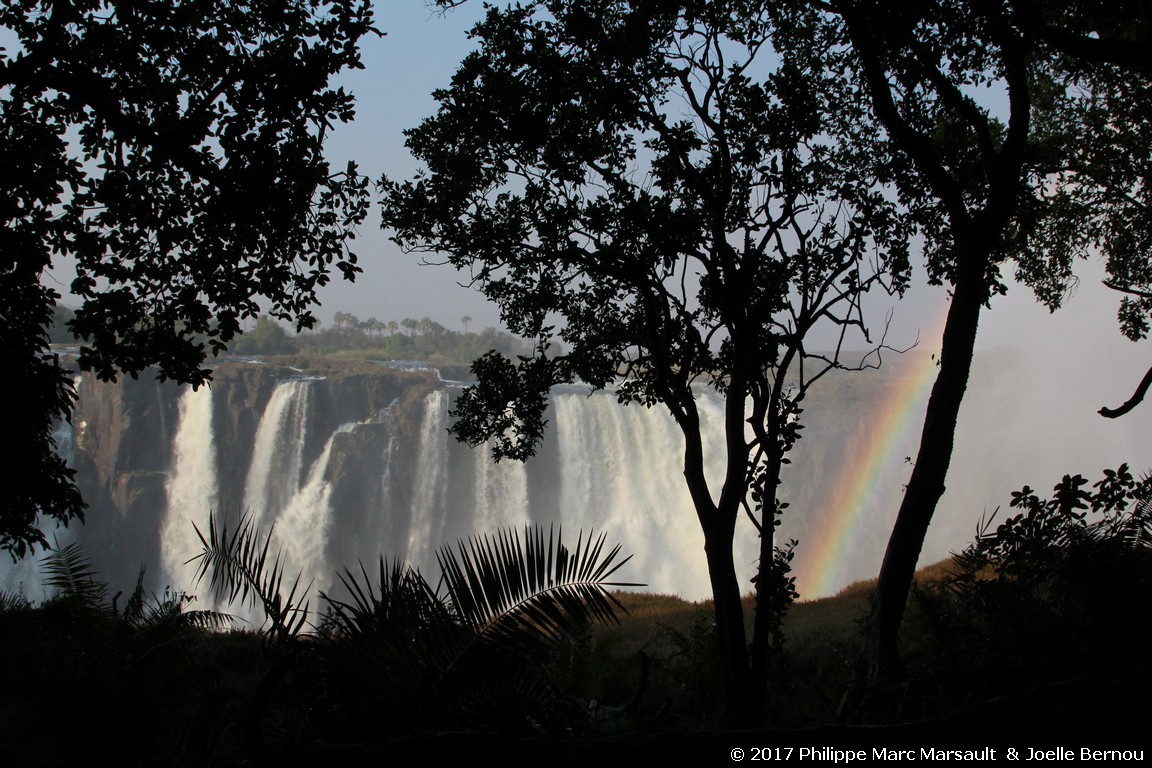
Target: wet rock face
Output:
[(123, 448), (349, 460)]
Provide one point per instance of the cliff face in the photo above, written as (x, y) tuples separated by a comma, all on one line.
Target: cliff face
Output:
[(125, 433), (347, 460)]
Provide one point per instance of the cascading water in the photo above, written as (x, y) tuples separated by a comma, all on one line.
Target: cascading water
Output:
[(360, 463), (458, 491), (277, 456), (191, 487), (501, 493), (301, 530), (427, 527), (646, 507), (377, 486)]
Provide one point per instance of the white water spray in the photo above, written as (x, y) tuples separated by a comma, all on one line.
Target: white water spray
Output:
[(302, 528), (191, 487), (428, 497), (274, 477)]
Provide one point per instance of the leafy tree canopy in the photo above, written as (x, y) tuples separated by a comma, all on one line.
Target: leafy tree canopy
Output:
[(650, 184), (173, 153), (1099, 140), (1036, 183)]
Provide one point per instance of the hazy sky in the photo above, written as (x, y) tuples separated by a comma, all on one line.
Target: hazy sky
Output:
[(420, 52), (1068, 364)]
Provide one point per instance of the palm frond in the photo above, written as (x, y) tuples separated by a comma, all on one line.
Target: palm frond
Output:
[(475, 651), (523, 591), (70, 574), (402, 615), (135, 608), (402, 599), (381, 649), (13, 600), (239, 568)]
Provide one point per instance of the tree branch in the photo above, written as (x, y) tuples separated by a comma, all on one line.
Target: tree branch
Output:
[(1136, 399)]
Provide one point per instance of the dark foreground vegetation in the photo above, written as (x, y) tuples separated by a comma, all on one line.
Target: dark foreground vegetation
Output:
[(1036, 631)]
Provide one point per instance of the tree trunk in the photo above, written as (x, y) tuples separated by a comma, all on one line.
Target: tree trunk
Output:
[(718, 522), (879, 664), (768, 611), (739, 693)]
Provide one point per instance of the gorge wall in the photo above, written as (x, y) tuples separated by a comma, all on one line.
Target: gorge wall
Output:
[(350, 460)]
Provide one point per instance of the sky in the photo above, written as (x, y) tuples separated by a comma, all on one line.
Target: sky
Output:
[(419, 53), (1039, 378), (420, 50)]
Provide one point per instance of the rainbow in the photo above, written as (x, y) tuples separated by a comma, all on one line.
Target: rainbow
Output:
[(847, 512)]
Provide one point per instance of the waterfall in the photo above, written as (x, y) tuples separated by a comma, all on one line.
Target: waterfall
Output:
[(428, 497), (602, 468), (274, 476), (301, 530), (500, 490), (191, 487), (340, 477), (621, 472)]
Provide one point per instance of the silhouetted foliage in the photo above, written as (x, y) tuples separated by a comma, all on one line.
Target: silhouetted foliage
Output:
[(1099, 149), (138, 682), (1053, 593), (647, 185), (1074, 555), (401, 655), (238, 568), (173, 153), (474, 652), (987, 181)]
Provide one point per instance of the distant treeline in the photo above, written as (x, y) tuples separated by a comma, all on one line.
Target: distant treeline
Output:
[(407, 339), (58, 333)]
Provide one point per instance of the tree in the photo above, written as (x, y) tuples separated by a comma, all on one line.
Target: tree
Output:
[(645, 183), (173, 154), (965, 176), (58, 333), (1100, 139), (268, 337), (986, 188)]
